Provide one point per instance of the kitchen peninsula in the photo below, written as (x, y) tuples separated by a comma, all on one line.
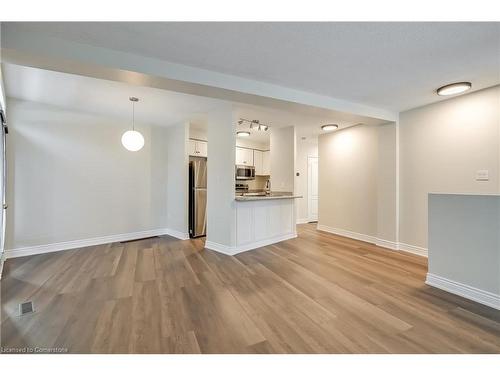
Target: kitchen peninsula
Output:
[(264, 219)]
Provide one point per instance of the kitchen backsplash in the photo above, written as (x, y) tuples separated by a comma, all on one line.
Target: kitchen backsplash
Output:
[(258, 184)]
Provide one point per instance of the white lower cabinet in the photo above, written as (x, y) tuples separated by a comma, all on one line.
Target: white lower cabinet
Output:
[(259, 221)]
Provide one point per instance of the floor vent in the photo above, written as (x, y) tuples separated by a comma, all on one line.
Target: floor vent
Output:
[(26, 308)]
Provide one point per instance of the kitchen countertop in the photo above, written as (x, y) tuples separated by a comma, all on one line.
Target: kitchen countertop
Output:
[(271, 195)]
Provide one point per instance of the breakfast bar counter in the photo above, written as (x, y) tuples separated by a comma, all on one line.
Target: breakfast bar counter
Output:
[(262, 220)]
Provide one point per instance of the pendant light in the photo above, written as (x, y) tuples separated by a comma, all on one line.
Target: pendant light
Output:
[(132, 140)]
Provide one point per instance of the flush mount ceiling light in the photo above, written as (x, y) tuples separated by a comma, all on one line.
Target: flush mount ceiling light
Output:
[(454, 88), (132, 140), (329, 127), (243, 134)]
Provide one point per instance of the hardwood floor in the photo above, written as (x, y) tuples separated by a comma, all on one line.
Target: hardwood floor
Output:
[(318, 293)]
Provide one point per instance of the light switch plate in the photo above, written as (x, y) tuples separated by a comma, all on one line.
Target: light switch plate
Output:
[(482, 175)]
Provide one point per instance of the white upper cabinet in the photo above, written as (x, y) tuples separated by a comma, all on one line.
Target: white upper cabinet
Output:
[(266, 164), (244, 156), (192, 147), (257, 161), (197, 148), (202, 148)]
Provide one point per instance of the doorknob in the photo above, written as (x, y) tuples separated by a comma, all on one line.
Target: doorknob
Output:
[(5, 206)]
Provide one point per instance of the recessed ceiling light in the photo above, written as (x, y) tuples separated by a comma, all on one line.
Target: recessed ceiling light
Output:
[(454, 88), (243, 134), (329, 127)]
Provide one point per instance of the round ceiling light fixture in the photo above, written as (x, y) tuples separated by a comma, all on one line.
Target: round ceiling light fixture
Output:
[(132, 140), (454, 88), (329, 127), (243, 133)]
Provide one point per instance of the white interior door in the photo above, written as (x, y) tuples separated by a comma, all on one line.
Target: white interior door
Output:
[(312, 188)]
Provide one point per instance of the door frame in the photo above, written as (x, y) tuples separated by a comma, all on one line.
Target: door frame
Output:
[(3, 186), (309, 218)]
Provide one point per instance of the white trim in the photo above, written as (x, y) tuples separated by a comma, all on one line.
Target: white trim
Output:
[(478, 295), (392, 245), (387, 244), (233, 250), (417, 250), (220, 248), (67, 245), (398, 181), (347, 233), (303, 221), (2, 261), (309, 182), (175, 233)]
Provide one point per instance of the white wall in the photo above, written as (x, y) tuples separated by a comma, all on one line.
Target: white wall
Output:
[(197, 133), (305, 149), (348, 180), (441, 147), (70, 178), (464, 245), (176, 164), (221, 219), (282, 159), (2, 90), (244, 142), (386, 182)]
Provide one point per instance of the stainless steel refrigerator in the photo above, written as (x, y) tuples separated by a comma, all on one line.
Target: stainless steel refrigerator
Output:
[(197, 196)]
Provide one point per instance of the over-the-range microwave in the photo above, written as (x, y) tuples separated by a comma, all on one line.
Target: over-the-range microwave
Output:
[(245, 172)]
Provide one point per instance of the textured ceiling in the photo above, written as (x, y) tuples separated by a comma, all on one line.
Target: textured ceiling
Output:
[(394, 66), (156, 106), (103, 97)]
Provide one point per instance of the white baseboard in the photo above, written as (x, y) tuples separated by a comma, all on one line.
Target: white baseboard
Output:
[(220, 248), (349, 234), (387, 244), (466, 291), (392, 245), (233, 250), (67, 245), (175, 233), (302, 221), (422, 251)]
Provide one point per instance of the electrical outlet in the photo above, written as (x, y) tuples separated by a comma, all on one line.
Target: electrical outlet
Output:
[(482, 175)]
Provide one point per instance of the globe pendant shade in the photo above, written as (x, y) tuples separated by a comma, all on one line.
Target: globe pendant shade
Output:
[(132, 140)]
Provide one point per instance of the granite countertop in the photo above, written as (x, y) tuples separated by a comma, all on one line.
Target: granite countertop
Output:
[(268, 196)]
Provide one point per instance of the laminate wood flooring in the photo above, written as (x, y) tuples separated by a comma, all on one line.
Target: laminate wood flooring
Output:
[(318, 293)]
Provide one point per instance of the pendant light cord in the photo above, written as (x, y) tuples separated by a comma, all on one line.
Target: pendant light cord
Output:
[(133, 116)]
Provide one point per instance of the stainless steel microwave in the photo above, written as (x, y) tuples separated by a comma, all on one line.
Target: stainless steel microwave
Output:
[(245, 172)]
